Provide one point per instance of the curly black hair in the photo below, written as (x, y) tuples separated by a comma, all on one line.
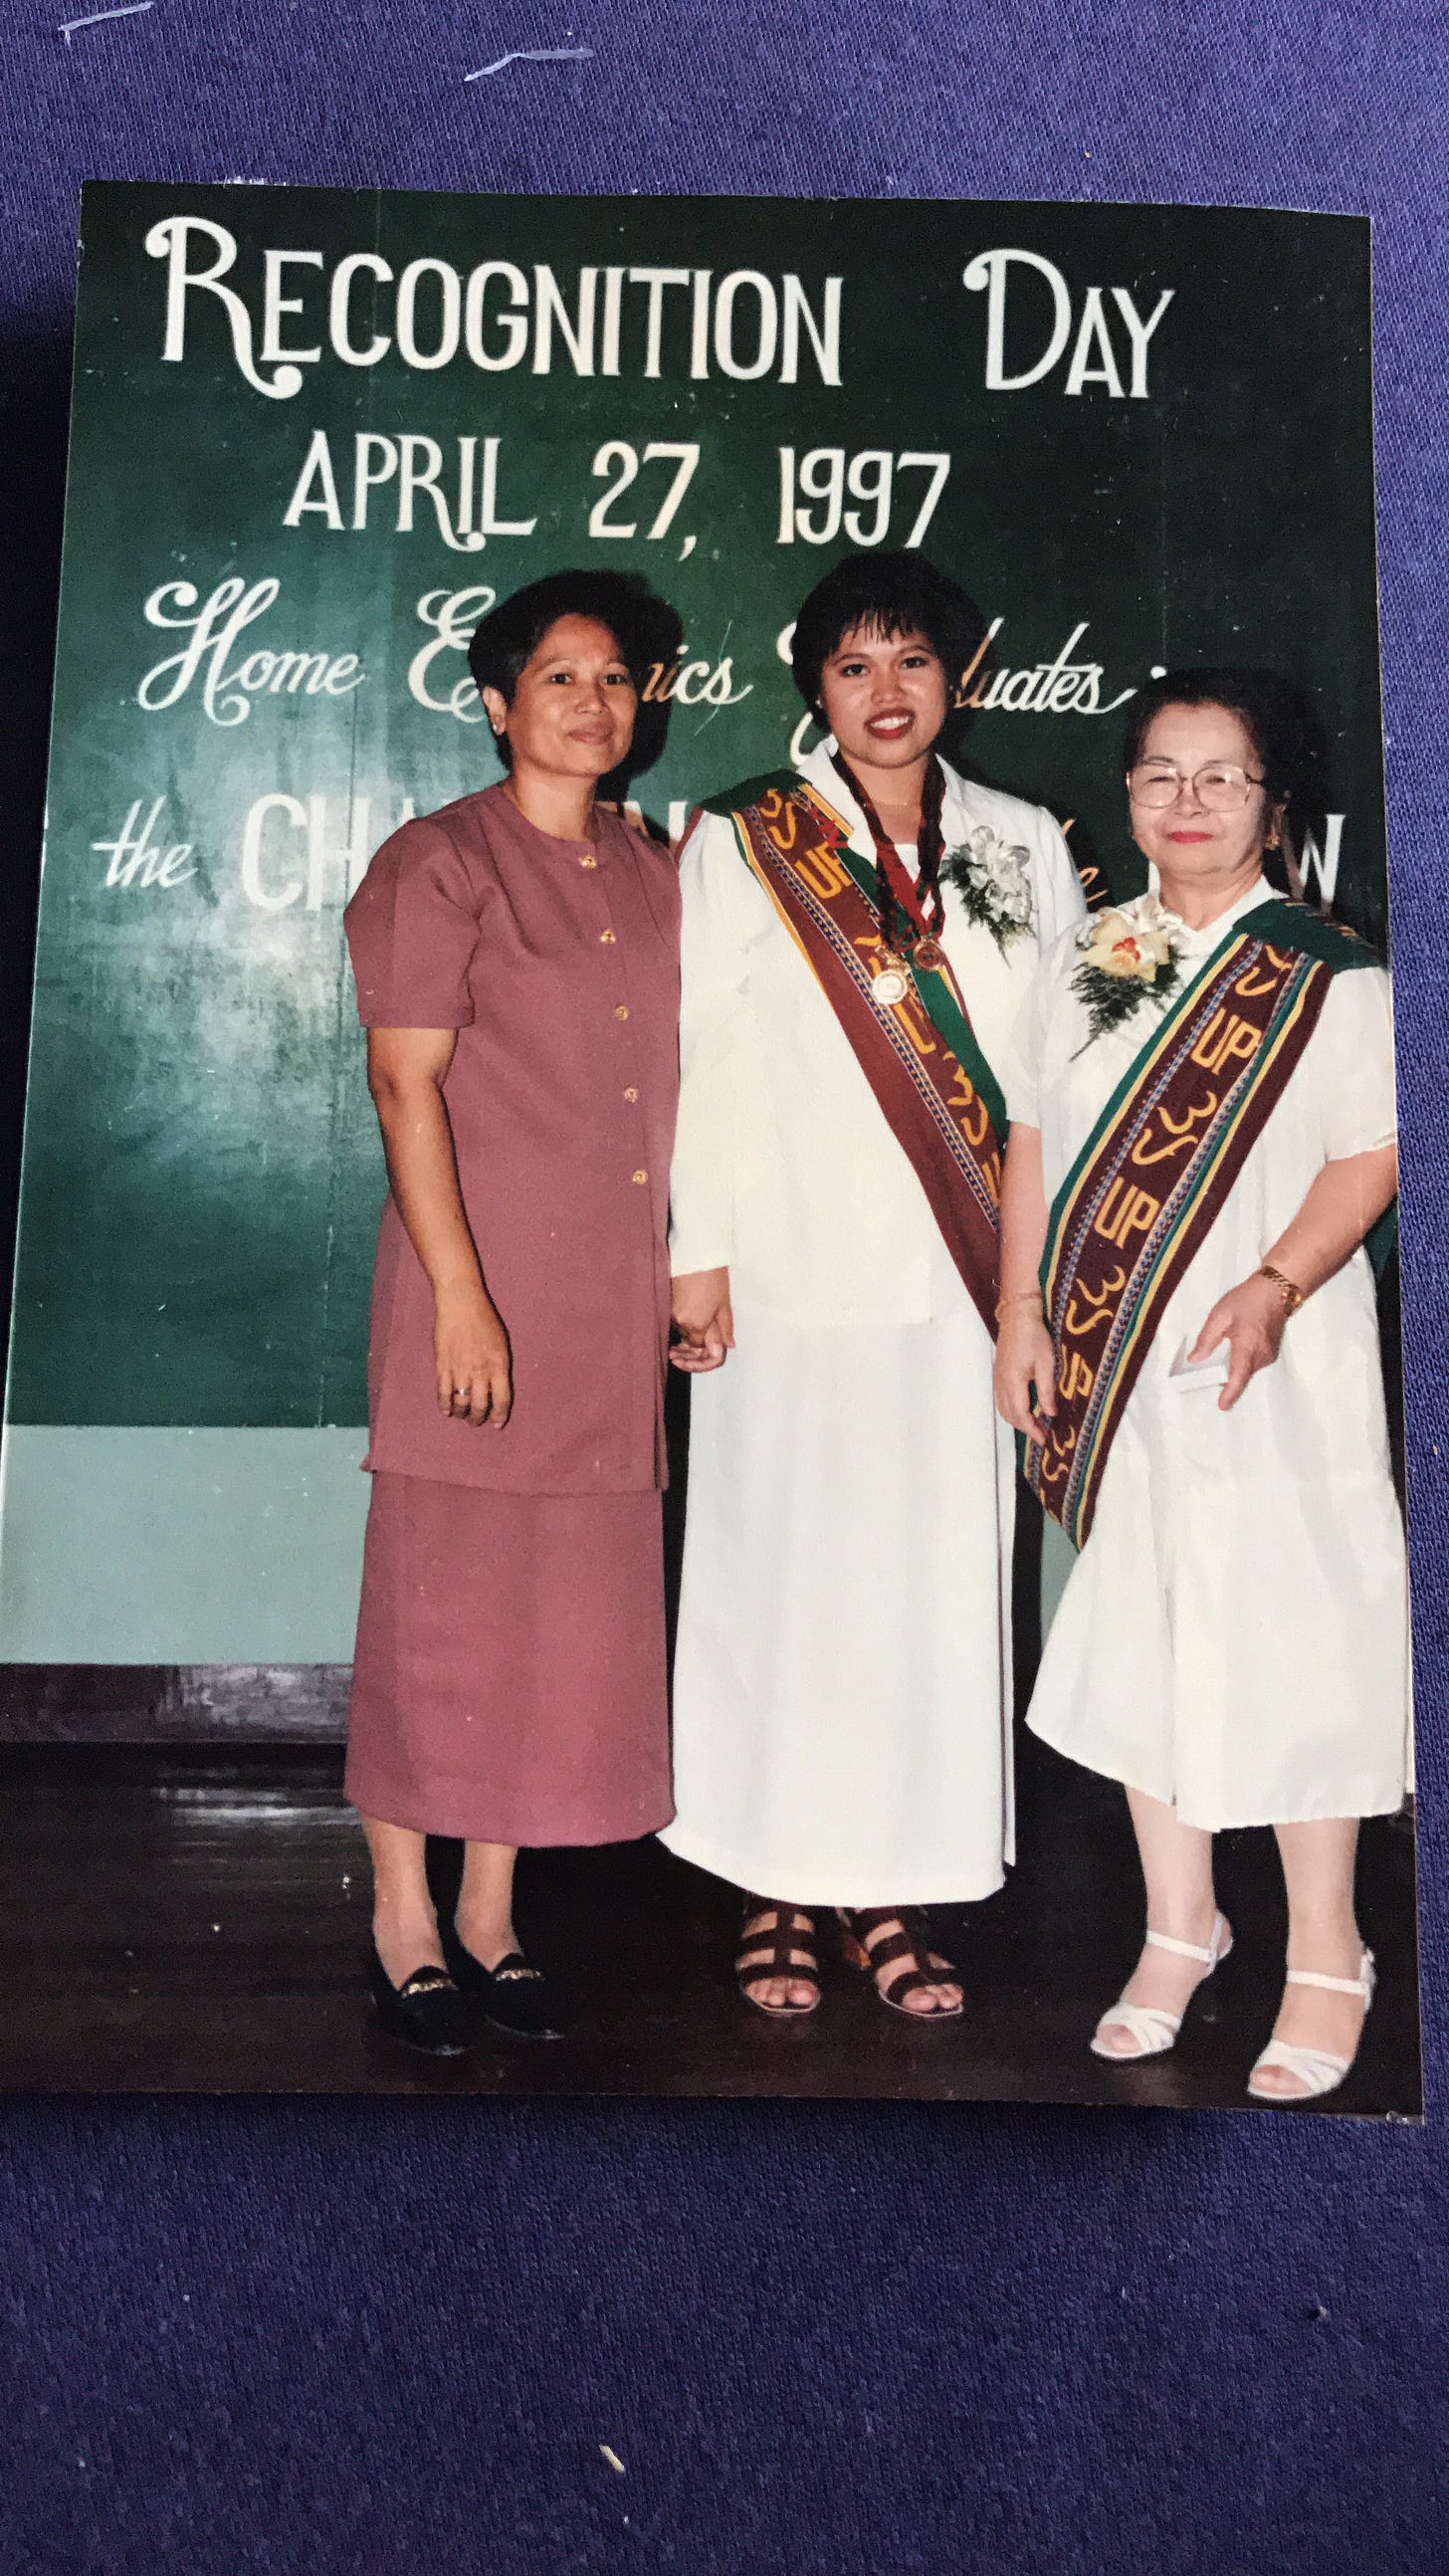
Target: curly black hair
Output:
[(888, 595)]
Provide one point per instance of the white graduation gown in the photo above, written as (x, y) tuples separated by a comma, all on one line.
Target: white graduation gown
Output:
[(842, 1681), (1233, 1637)]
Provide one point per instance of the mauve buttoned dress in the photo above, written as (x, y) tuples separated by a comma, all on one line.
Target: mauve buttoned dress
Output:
[(509, 1682)]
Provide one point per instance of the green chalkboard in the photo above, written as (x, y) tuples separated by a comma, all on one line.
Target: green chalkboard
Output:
[(316, 432)]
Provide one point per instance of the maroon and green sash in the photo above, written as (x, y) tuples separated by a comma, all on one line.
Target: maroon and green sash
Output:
[(1155, 1171), (920, 1056)]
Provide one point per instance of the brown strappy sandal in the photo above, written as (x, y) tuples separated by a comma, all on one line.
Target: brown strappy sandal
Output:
[(769, 1947), (905, 1950)]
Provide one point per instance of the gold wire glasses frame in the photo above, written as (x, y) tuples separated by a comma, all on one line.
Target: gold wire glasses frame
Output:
[(1220, 787)]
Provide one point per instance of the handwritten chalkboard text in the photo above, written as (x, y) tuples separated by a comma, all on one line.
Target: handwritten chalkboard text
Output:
[(315, 865), (1097, 345), (647, 321), (451, 615), (213, 627), (467, 513), (463, 491), (312, 852), (134, 859), (828, 478)]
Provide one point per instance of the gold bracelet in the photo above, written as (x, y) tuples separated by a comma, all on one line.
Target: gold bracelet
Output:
[(1021, 1297), (1291, 1294)]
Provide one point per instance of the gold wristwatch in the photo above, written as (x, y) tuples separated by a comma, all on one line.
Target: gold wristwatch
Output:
[(1291, 1294)]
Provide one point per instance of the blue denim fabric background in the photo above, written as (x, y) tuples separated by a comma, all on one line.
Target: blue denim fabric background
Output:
[(391, 2337)]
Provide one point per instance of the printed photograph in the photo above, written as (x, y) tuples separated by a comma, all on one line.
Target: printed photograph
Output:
[(704, 1390)]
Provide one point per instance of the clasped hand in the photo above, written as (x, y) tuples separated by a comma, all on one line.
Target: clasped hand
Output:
[(700, 1304), (1025, 1360)]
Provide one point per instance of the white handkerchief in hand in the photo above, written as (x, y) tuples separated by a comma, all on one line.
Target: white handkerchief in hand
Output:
[(1186, 1374)]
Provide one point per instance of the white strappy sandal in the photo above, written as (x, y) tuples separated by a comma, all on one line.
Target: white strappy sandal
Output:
[(1153, 2028), (1319, 2070)]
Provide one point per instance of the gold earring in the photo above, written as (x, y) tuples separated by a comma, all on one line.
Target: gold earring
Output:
[(1271, 842)]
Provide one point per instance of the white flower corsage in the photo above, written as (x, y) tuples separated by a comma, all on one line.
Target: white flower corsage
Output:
[(1130, 956), (994, 883)]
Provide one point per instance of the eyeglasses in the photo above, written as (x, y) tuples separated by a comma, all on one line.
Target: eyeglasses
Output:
[(1220, 788)]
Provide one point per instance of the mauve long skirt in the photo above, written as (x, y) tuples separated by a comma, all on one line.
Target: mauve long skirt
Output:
[(509, 1682)]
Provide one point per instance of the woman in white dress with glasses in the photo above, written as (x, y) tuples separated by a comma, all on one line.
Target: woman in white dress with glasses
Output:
[(1202, 1397)]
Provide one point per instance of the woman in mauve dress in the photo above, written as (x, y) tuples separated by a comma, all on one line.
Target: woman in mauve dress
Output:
[(516, 959)]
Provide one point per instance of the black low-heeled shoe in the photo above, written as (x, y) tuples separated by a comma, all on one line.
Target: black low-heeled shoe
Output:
[(515, 1996), (426, 2011)]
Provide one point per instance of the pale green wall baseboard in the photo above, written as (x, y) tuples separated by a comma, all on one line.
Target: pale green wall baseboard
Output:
[(124, 1546), (180, 1547)]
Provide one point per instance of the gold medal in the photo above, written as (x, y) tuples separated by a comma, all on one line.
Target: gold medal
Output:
[(929, 955)]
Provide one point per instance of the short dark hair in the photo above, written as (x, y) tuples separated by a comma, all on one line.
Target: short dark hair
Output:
[(511, 633), (888, 595), (1280, 718)]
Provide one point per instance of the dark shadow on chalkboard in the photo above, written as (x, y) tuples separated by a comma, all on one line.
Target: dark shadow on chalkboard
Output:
[(1097, 884), (1127, 875), (1391, 1344), (651, 725), (34, 400)]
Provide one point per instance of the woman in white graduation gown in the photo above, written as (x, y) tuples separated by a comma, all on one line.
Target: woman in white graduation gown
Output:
[(1232, 1641), (842, 1684)]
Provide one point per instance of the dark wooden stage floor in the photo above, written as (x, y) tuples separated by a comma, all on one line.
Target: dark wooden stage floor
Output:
[(195, 1920)]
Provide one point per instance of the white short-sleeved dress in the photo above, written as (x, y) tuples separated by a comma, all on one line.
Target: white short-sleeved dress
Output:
[(842, 1679), (1233, 1638)]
